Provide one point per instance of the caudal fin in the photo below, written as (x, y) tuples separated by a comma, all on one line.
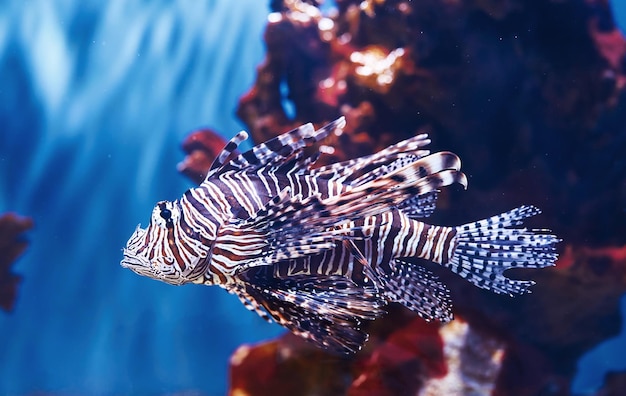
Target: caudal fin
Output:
[(487, 248)]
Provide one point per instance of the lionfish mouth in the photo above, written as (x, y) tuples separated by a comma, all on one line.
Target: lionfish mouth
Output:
[(132, 262), (130, 259), (145, 268)]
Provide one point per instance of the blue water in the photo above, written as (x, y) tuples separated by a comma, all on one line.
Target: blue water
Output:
[(619, 12), (95, 98), (608, 356)]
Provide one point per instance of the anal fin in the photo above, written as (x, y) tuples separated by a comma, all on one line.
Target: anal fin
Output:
[(249, 302), (418, 289)]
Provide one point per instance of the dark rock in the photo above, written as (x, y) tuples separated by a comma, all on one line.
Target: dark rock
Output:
[(12, 245), (202, 147)]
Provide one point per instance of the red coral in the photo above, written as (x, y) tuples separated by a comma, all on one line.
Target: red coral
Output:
[(524, 92), (287, 366), (406, 356), (11, 246), (410, 356), (202, 147)]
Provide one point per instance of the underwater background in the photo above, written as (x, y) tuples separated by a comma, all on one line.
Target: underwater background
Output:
[(95, 100)]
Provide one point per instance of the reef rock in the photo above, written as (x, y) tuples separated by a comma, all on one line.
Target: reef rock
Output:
[(201, 148), (416, 358), (530, 95), (12, 245)]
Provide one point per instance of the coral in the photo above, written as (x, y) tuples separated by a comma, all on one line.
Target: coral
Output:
[(532, 96), (284, 367), (201, 148), (474, 362), (11, 246), (615, 385), (529, 94), (405, 361), (415, 357)]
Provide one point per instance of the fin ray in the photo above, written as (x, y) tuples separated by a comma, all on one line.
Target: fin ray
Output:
[(419, 206), (347, 171), (417, 288), (276, 151), (228, 151), (328, 311), (487, 248)]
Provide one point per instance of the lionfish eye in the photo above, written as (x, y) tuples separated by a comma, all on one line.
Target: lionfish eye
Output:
[(166, 214)]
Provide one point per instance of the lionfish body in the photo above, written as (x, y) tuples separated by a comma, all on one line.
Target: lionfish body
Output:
[(321, 250)]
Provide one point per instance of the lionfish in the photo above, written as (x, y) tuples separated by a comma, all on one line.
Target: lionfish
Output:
[(321, 250)]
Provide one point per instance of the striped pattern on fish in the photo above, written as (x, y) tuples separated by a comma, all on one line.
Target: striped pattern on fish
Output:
[(321, 250)]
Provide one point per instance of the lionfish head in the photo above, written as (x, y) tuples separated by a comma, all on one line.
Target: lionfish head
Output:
[(167, 250)]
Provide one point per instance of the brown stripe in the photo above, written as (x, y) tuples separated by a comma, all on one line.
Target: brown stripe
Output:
[(299, 267), (212, 270), (387, 253), (171, 240), (146, 241), (281, 270), (341, 252), (433, 246), (444, 257), (422, 240)]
